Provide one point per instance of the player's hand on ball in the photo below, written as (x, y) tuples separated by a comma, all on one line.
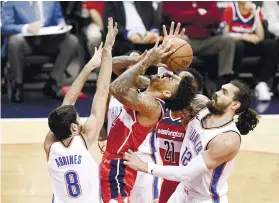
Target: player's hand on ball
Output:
[(112, 32), (133, 161), (157, 53), (95, 61), (168, 37)]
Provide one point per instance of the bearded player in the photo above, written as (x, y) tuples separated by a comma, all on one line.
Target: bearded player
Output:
[(209, 148), (139, 116)]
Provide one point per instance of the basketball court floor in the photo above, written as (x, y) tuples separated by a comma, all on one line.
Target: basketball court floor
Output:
[(24, 174)]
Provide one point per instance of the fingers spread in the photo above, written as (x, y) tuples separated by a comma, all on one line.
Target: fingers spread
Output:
[(165, 30), (171, 28), (182, 32), (177, 29)]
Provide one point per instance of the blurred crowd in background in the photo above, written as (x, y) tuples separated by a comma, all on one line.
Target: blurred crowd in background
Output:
[(229, 40)]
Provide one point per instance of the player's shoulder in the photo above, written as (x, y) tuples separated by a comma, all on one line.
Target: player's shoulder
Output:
[(229, 138), (201, 114)]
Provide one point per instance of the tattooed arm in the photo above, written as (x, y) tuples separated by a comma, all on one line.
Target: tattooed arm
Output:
[(122, 62), (124, 88), (142, 82)]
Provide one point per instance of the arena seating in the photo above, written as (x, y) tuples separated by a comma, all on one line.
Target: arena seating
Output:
[(43, 64)]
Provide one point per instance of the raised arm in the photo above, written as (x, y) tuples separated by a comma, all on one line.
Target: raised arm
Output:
[(94, 123), (220, 150), (124, 88), (72, 95)]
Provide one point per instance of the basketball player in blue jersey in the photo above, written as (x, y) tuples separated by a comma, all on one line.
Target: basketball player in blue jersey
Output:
[(73, 172), (209, 148)]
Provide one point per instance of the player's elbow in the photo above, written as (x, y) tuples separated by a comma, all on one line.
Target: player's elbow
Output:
[(112, 89), (115, 90)]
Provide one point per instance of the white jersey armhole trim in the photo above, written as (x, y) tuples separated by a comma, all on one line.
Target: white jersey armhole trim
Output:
[(206, 146)]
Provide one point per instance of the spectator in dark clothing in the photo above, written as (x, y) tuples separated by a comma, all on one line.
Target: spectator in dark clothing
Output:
[(244, 24), (138, 24), (29, 17), (201, 20)]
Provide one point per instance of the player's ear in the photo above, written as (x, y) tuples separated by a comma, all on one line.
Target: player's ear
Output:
[(167, 94), (74, 127), (236, 105)]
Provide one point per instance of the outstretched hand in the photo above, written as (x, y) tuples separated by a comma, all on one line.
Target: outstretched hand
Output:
[(95, 61), (173, 33), (112, 32), (133, 161)]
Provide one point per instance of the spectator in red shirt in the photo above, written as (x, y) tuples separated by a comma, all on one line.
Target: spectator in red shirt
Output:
[(93, 30), (244, 24), (201, 20)]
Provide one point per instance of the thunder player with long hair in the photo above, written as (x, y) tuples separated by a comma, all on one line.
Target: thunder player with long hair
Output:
[(139, 116), (73, 172), (209, 148), (170, 132)]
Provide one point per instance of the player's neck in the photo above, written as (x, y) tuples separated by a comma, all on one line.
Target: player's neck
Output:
[(174, 114), (67, 140), (153, 93), (215, 120)]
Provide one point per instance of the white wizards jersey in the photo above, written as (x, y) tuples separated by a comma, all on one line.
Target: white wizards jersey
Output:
[(211, 185), (73, 172), (114, 110)]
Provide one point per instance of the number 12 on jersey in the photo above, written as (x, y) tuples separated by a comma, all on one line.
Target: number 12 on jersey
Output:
[(72, 184), (186, 156)]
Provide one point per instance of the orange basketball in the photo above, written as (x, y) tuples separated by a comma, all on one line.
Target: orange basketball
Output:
[(182, 58)]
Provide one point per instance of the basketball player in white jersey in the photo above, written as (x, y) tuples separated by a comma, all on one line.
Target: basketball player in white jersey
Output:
[(73, 172), (209, 148)]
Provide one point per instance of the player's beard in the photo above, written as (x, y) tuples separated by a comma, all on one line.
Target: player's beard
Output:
[(216, 108)]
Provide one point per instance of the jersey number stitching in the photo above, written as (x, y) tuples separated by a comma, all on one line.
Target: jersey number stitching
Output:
[(72, 184), (170, 149), (186, 157)]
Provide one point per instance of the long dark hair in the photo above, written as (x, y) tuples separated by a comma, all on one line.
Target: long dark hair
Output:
[(248, 119), (185, 95)]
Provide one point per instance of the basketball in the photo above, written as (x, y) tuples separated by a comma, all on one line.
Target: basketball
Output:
[(182, 58)]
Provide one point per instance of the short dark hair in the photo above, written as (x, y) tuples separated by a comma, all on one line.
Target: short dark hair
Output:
[(60, 120), (184, 96), (198, 77), (248, 119)]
